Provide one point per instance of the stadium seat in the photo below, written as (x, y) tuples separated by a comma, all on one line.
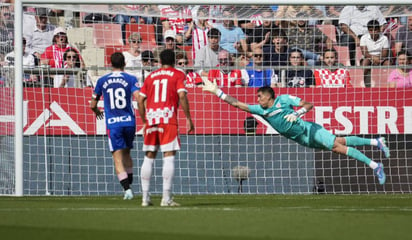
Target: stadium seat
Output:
[(107, 34), (93, 57), (109, 50), (147, 33), (343, 55), (329, 30), (356, 75), (379, 77)]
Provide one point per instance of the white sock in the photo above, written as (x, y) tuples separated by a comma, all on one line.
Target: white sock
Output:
[(145, 175), (168, 173), (373, 164)]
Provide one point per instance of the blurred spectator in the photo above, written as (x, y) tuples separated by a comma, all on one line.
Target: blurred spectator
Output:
[(308, 39), (175, 18), (258, 76), (197, 31), (149, 65), (277, 54), (260, 36), (207, 55), (6, 31), (224, 75), (353, 21), (30, 80), (242, 61), (71, 59), (169, 38), (132, 56), (97, 18), (375, 49), (192, 78), (230, 34), (332, 74), (404, 37), (298, 77), (39, 38), (53, 55), (401, 77)]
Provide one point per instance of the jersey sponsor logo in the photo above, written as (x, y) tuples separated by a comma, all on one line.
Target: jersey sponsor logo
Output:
[(154, 116), (274, 113), (119, 119)]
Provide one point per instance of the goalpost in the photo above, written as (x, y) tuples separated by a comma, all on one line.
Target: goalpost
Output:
[(61, 149)]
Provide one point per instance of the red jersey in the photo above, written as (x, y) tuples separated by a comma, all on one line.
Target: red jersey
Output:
[(328, 79), (55, 55), (161, 90), (193, 79), (177, 18), (234, 78)]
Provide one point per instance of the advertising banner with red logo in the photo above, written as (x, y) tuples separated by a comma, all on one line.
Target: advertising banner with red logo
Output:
[(65, 111)]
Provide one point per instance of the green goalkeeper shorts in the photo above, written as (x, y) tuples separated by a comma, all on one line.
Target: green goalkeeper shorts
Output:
[(316, 136)]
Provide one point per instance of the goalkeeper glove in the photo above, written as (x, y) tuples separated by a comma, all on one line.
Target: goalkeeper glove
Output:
[(213, 88), (294, 116)]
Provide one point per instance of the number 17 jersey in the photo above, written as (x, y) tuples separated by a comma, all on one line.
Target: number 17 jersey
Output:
[(161, 90)]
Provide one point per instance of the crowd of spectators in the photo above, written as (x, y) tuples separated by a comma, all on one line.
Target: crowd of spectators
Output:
[(278, 46)]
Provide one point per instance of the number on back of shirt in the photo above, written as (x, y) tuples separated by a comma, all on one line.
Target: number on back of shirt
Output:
[(117, 98), (160, 90)]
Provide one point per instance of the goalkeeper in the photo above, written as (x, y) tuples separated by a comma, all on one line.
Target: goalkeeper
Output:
[(279, 113)]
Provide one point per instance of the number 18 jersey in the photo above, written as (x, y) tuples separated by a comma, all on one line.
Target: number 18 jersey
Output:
[(161, 90), (117, 89)]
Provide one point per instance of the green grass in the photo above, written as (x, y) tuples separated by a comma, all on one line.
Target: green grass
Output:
[(216, 217)]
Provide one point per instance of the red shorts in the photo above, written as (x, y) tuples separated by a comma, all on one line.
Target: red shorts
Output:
[(165, 136)]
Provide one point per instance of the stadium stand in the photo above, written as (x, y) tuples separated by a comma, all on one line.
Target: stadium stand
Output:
[(106, 34), (147, 33)]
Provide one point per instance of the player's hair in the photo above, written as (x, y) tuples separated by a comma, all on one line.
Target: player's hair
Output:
[(167, 57), (117, 60), (267, 89)]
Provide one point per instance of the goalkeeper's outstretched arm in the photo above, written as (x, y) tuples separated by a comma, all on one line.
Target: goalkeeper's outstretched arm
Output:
[(213, 88)]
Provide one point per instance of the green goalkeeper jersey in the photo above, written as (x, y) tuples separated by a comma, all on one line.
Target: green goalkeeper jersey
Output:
[(275, 115)]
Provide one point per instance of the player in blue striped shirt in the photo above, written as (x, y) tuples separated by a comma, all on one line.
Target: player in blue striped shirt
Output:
[(118, 89)]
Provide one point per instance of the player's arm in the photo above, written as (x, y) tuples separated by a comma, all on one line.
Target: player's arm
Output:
[(142, 108), (304, 108), (94, 108), (213, 88), (184, 102)]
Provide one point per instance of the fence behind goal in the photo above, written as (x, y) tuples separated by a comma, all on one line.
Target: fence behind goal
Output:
[(65, 148)]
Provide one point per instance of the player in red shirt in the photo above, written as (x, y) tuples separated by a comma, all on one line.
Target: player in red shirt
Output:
[(162, 92)]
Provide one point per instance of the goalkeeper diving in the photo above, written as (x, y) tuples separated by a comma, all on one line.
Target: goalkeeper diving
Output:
[(280, 114)]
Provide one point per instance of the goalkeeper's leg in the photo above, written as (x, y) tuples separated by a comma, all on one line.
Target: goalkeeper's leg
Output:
[(358, 141)]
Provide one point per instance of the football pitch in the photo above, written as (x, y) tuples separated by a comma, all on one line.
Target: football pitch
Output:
[(216, 217)]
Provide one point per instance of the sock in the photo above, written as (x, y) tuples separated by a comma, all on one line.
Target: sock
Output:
[(123, 180), (358, 141), (130, 175), (145, 175), (167, 173), (356, 154)]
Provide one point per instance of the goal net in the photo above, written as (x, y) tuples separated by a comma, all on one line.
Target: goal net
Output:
[(359, 86)]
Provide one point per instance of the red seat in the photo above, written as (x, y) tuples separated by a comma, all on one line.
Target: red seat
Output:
[(379, 76), (188, 50), (356, 75), (109, 50), (107, 34), (329, 30), (147, 33), (343, 55)]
